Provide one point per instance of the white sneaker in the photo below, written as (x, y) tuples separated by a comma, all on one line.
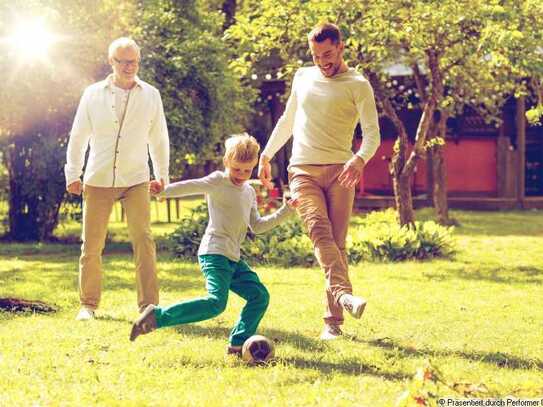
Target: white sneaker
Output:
[(354, 305), (330, 332), (85, 314)]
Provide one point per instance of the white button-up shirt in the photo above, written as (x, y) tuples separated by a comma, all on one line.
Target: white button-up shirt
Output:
[(118, 156)]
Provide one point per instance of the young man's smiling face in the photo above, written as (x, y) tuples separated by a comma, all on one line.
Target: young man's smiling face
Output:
[(238, 171), (327, 56)]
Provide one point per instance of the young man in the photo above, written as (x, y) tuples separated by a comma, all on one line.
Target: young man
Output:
[(122, 120), (232, 209), (326, 102)]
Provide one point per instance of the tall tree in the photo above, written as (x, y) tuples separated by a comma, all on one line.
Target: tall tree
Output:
[(439, 40), (515, 41), (185, 57)]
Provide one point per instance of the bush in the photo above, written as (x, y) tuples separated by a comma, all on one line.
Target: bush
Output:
[(377, 237)]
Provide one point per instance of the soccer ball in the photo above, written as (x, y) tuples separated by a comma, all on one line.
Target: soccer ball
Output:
[(257, 350)]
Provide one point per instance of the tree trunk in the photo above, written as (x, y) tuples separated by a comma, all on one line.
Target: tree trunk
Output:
[(408, 170), (439, 172), (229, 10), (401, 185), (404, 199), (429, 173)]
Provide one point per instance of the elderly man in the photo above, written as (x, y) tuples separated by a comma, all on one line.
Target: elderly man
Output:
[(121, 120), (325, 103)]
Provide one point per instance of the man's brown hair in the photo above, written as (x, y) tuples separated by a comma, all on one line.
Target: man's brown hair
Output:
[(325, 31)]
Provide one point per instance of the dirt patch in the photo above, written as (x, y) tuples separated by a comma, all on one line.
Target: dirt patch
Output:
[(20, 305)]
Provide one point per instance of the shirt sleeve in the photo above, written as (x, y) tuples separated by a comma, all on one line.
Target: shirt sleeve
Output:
[(78, 141), (159, 143), (261, 224), (198, 186), (369, 122), (285, 125)]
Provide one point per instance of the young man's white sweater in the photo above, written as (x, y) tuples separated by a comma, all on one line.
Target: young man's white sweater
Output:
[(321, 114)]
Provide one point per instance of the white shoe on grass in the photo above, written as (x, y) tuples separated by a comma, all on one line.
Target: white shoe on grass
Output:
[(330, 332), (85, 314)]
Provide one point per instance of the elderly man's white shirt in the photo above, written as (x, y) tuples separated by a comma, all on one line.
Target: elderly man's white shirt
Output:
[(118, 159)]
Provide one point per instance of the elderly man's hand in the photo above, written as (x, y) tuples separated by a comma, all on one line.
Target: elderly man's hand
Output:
[(156, 187), (352, 172), (75, 188)]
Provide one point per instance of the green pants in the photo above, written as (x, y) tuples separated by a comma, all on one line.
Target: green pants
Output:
[(222, 275)]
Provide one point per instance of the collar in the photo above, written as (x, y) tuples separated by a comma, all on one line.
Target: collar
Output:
[(109, 81)]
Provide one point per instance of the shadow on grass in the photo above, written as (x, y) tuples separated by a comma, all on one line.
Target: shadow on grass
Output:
[(277, 336), (350, 366), (498, 359), (501, 275), (118, 272), (318, 348), (493, 223)]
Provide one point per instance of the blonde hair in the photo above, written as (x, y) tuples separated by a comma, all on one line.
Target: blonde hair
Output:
[(241, 148), (123, 42)]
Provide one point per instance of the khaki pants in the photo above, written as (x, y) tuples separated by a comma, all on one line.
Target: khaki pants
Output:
[(325, 208), (97, 205)]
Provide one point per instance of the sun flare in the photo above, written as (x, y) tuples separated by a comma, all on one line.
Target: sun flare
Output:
[(30, 40)]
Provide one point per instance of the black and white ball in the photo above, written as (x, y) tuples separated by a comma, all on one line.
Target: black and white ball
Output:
[(257, 350)]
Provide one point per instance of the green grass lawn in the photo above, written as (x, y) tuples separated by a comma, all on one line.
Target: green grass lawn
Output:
[(478, 318)]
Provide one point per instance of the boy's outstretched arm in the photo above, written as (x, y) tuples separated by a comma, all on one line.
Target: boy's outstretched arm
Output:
[(188, 187), (261, 224)]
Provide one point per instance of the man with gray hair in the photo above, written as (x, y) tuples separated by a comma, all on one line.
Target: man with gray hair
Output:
[(121, 120)]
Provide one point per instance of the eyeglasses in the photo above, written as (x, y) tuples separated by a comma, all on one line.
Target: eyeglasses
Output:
[(126, 63)]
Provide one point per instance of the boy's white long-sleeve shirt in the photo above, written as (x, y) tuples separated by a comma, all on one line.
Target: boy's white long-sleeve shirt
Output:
[(232, 209), (321, 115), (118, 158)]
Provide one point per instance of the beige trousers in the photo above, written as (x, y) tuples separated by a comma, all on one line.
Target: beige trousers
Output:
[(325, 208), (97, 206)]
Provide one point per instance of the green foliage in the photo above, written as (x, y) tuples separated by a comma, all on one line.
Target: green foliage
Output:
[(184, 241), (185, 57), (38, 100), (35, 192), (534, 115), (377, 237)]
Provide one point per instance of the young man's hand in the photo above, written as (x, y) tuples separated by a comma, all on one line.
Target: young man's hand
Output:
[(264, 172), (352, 172), (75, 188), (156, 187)]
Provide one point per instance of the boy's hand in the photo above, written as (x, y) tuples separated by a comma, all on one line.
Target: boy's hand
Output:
[(293, 203), (156, 187)]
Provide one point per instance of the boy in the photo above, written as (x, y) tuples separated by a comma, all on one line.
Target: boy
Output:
[(232, 208)]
